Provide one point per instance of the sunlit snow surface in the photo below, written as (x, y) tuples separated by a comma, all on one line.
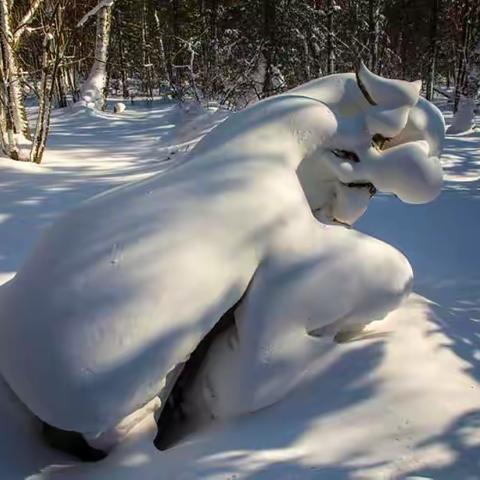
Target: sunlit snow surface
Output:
[(402, 401)]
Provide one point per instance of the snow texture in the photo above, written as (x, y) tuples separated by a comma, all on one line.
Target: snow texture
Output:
[(118, 293)]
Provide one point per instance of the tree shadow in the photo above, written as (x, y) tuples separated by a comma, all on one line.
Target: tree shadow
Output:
[(260, 445), (462, 439), (264, 444), (441, 241)]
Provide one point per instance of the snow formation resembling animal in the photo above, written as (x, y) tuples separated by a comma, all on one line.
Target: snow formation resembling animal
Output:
[(119, 292)]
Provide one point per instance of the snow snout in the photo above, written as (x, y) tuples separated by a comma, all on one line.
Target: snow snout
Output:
[(409, 172)]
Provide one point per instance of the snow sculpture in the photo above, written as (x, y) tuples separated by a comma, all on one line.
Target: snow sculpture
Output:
[(119, 292)]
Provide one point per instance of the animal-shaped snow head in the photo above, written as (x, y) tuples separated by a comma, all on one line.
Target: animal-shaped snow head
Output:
[(387, 138)]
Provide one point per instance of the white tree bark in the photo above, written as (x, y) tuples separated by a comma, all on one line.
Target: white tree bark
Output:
[(92, 91), (15, 114), (464, 118)]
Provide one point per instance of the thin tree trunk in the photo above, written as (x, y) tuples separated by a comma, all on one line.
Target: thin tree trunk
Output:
[(269, 49), (374, 33), (147, 86), (15, 112), (214, 37), (121, 52), (330, 38), (353, 11), (462, 57), (45, 106), (192, 72), (306, 57), (204, 63), (433, 48), (174, 72), (3, 113), (71, 76), (60, 89), (161, 53), (60, 82)]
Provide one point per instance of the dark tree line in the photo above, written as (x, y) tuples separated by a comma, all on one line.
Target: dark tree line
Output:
[(231, 52)]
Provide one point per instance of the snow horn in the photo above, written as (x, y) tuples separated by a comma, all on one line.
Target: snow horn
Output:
[(384, 91)]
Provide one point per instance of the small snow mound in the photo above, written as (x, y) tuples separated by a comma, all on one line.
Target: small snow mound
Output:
[(463, 121), (119, 107)]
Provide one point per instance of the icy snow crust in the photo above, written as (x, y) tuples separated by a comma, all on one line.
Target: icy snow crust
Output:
[(121, 290)]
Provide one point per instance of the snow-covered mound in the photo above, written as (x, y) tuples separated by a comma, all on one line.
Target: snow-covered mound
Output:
[(119, 107)]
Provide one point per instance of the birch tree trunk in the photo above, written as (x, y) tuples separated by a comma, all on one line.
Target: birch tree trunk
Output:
[(464, 117), (47, 83), (16, 123), (6, 132), (93, 90)]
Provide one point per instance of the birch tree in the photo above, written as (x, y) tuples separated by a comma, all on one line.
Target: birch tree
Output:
[(14, 123), (93, 90), (45, 101), (41, 49)]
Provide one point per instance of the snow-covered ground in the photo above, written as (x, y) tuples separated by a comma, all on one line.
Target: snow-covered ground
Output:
[(402, 401)]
